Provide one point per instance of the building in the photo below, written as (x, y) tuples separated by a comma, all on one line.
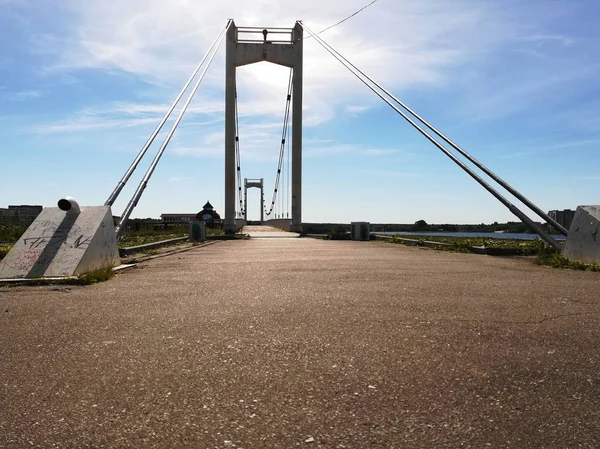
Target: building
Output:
[(177, 218), (25, 214), (209, 215), (563, 217)]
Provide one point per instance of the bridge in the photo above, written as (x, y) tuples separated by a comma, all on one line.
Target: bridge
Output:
[(72, 239)]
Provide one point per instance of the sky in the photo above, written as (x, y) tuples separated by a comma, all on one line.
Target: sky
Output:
[(84, 83)]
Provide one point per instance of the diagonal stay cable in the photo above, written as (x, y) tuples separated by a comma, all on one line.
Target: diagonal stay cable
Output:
[(283, 137), (143, 184), (113, 196), (343, 20), (549, 239), (454, 145)]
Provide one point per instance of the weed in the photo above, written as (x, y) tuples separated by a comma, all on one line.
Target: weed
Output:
[(557, 260), (97, 275), (546, 255)]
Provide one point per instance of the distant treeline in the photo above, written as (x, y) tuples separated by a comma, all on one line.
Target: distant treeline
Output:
[(423, 226)]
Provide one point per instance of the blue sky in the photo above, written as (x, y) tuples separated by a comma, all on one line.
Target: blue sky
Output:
[(83, 84)]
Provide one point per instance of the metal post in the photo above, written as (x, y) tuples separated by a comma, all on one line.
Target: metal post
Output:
[(230, 169), (297, 131)]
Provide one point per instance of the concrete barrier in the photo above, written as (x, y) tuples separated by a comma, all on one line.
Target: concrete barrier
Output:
[(583, 242), (123, 252), (63, 241)]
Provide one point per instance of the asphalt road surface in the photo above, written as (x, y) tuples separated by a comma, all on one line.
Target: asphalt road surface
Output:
[(295, 342)]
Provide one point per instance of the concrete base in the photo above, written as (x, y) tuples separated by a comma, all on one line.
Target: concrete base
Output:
[(296, 228), (60, 244), (230, 229), (583, 242)]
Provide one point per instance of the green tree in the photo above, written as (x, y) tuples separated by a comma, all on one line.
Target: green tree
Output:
[(420, 225)]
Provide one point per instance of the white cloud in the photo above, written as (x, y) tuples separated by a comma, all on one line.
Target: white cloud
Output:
[(550, 38), (380, 151), (24, 95), (355, 109), (86, 124), (401, 43)]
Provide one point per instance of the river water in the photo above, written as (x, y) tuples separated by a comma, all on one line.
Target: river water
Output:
[(491, 235)]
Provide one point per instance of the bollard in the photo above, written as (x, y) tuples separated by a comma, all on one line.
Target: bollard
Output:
[(360, 230), (197, 231)]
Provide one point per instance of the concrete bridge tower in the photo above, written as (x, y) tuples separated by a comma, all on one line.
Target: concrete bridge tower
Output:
[(281, 46)]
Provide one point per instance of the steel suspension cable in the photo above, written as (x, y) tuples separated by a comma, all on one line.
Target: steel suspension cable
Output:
[(549, 239), (237, 155), (454, 145), (283, 138), (282, 183), (288, 195), (144, 183), (113, 196)]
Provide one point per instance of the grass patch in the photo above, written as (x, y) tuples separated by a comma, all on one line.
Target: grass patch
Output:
[(546, 255), (557, 260), (4, 249), (11, 232), (462, 244), (150, 252), (91, 277), (144, 237), (135, 239), (98, 275)]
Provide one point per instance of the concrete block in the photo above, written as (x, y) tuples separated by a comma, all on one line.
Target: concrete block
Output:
[(360, 230), (60, 243), (583, 242)]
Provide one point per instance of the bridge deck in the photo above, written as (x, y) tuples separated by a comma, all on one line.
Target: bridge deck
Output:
[(272, 343), (259, 232)]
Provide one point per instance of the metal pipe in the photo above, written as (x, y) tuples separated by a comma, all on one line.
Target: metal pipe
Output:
[(549, 239), (138, 193), (113, 196), (69, 205), (477, 163)]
